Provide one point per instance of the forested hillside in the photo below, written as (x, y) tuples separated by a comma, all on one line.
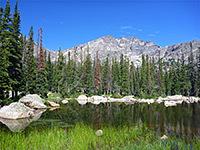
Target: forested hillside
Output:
[(21, 72)]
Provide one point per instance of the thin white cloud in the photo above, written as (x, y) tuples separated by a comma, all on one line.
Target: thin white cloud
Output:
[(157, 32), (126, 33), (126, 27), (152, 35), (61, 22), (197, 38), (140, 30)]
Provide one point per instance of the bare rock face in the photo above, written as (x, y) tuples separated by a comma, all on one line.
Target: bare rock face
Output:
[(33, 101), (16, 110), (132, 48)]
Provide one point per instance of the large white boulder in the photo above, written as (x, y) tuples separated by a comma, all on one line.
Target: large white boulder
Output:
[(19, 125), (16, 110), (82, 98), (33, 101), (98, 99), (175, 97), (129, 98)]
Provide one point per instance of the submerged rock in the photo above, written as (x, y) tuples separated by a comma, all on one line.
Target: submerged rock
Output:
[(64, 101), (53, 108), (169, 103), (58, 98), (20, 124), (164, 137), (33, 101), (82, 102), (53, 104), (99, 132), (16, 110)]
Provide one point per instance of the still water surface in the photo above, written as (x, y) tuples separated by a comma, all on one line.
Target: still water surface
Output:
[(182, 120)]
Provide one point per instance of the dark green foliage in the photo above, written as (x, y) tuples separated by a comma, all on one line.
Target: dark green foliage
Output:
[(15, 58), (97, 76), (87, 76), (4, 78), (106, 76), (115, 76), (125, 75), (49, 71), (143, 80), (198, 74), (29, 66)]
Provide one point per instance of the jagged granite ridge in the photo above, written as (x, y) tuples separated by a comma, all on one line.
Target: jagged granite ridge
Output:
[(132, 48)]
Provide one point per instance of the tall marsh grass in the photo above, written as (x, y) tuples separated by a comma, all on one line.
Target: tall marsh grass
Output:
[(83, 137)]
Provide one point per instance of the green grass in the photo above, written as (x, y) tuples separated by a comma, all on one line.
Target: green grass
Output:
[(83, 137)]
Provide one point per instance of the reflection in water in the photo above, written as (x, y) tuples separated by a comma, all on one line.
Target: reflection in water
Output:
[(20, 124), (182, 120)]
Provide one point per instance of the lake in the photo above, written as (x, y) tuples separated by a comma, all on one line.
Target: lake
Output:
[(181, 120)]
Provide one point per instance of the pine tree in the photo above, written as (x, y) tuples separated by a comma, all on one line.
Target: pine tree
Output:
[(115, 75), (29, 66), (183, 77), (80, 72), (106, 76), (59, 67), (70, 72), (87, 76), (167, 84), (49, 70), (97, 78), (125, 90), (160, 76), (191, 72), (64, 89), (153, 75), (137, 83), (55, 78), (6, 47), (198, 73), (4, 63), (173, 80), (149, 88), (42, 83), (132, 79), (143, 81), (16, 53)]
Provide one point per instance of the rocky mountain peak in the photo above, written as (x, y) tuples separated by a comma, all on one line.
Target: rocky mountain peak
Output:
[(133, 48)]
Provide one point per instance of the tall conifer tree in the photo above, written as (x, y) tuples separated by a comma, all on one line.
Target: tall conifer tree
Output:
[(4, 63), (15, 58), (87, 76)]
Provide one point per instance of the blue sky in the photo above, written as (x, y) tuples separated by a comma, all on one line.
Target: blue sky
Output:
[(68, 23)]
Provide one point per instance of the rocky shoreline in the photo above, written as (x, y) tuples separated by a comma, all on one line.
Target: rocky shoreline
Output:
[(168, 101)]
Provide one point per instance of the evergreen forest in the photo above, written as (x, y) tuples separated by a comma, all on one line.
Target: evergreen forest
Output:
[(22, 73)]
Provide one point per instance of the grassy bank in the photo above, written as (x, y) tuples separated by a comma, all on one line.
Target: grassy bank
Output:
[(84, 137)]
